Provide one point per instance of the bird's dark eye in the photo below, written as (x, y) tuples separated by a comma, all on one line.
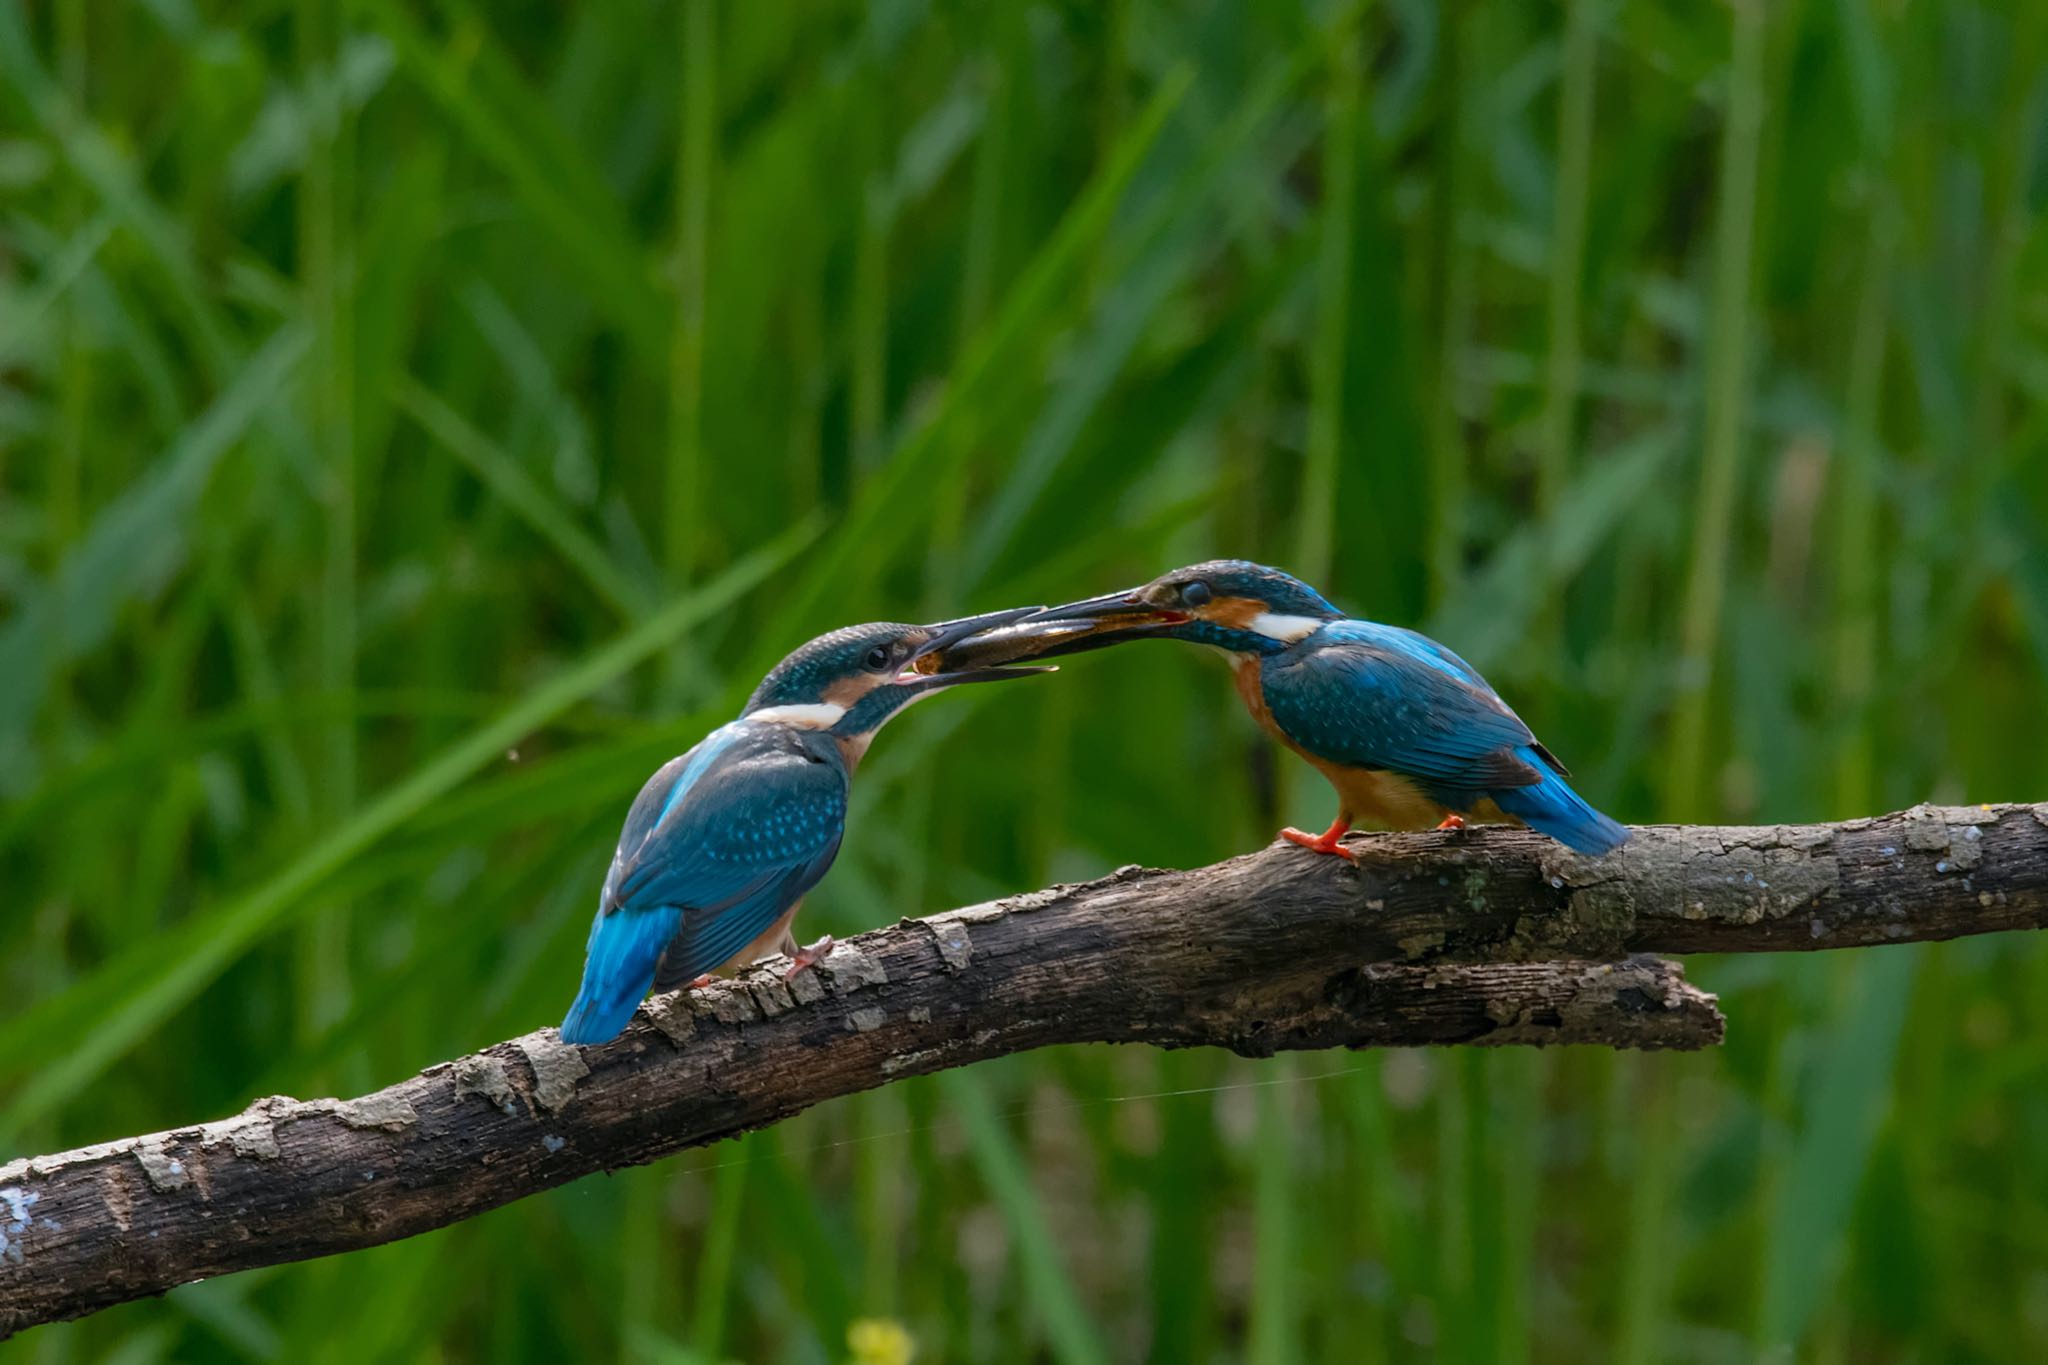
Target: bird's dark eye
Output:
[(878, 658), (1195, 594)]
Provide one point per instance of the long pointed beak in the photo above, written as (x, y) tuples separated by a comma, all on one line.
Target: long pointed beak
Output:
[(948, 633), (954, 643), (1071, 629), (1122, 607)]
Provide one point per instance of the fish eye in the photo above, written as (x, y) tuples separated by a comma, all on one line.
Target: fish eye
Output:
[(1195, 594), (878, 659)]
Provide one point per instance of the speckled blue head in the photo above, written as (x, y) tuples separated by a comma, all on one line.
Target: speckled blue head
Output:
[(1232, 604), (854, 679), (1200, 587), (832, 661)]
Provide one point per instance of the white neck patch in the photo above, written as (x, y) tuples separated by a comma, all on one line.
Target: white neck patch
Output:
[(822, 715), (1289, 628)]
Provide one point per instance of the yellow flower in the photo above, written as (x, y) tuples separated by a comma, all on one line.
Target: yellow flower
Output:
[(879, 1341)]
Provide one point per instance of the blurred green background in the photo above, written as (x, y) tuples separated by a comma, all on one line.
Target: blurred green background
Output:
[(417, 421)]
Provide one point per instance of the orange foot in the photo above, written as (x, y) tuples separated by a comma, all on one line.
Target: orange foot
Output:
[(701, 982), (1453, 822), (803, 959), (1326, 842)]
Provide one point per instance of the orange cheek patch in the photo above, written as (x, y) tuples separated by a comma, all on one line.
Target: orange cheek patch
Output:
[(847, 691), (1236, 612)]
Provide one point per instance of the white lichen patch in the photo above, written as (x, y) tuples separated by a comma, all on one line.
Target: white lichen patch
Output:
[(383, 1110), (671, 1014), (848, 969), (988, 912), (866, 1020), (485, 1076), (556, 1068), (166, 1173), (1043, 899), (250, 1133), (15, 1220), (955, 945), (727, 1003), (77, 1156), (805, 988), (1926, 830), (1965, 849), (771, 993), (1954, 834)]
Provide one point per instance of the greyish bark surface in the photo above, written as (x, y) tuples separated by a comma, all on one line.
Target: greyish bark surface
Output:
[(1489, 937)]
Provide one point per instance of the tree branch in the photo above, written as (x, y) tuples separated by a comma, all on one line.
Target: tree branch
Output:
[(1490, 937)]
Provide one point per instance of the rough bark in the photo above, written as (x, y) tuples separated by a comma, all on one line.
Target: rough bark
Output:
[(1487, 937)]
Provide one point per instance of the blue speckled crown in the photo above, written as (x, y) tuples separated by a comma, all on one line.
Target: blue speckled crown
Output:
[(803, 677), (1283, 593)]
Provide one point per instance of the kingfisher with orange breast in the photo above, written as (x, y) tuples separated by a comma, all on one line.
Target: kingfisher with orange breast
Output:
[(1407, 732)]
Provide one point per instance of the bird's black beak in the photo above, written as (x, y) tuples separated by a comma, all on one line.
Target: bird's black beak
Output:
[(1115, 610), (957, 652), (1071, 629)]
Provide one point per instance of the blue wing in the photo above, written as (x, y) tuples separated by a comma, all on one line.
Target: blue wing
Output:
[(1372, 697), (1378, 697), (718, 844)]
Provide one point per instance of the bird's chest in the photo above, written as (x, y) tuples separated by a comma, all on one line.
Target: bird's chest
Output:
[(852, 749), (1245, 672), (1373, 795), (1370, 794)]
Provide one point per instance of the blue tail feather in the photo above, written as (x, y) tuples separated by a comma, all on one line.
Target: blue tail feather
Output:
[(1551, 807), (625, 948)]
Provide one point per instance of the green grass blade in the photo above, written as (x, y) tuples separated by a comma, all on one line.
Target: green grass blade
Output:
[(1806, 1241), (880, 517), (1072, 1335), (131, 547), (1687, 788), (534, 505), (509, 125)]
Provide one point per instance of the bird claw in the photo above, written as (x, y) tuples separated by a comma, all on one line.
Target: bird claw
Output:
[(1452, 822), (1326, 842), (701, 982), (803, 959)]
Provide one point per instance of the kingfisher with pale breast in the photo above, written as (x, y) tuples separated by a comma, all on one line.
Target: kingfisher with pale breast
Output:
[(723, 841), (1407, 732)]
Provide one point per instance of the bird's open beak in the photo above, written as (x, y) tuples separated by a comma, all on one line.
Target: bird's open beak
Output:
[(956, 652), (1114, 610), (1070, 629)]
